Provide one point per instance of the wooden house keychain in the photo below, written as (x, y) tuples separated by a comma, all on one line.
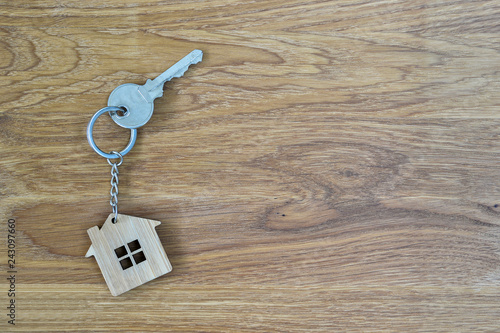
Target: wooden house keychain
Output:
[(127, 248)]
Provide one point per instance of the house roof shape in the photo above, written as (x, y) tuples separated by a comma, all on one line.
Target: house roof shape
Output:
[(109, 242)]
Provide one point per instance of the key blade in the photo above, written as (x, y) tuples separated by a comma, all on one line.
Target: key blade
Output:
[(177, 70)]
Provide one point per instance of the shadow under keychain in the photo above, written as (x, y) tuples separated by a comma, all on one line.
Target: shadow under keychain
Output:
[(127, 248)]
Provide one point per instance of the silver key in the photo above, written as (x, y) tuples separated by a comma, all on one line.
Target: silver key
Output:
[(138, 100)]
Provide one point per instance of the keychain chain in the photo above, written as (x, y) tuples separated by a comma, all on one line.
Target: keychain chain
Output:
[(114, 185)]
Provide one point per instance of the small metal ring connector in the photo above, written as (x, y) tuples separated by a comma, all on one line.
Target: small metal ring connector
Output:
[(119, 155), (90, 138)]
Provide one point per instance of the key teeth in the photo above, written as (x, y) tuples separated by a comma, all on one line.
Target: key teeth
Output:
[(180, 74), (155, 87)]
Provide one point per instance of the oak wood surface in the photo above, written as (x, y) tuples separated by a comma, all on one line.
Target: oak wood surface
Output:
[(329, 166)]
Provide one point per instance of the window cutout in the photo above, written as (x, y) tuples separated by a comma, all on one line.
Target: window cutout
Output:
[(121, 251), (139, 257), (126, 263), (134, 245)]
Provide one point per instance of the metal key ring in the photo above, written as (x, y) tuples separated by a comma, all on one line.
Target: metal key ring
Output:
[(90, 138)]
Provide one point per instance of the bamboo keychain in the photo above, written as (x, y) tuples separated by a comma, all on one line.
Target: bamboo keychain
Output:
[(127, 248)]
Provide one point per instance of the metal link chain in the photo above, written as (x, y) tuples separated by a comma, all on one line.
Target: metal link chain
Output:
[(114, 185)]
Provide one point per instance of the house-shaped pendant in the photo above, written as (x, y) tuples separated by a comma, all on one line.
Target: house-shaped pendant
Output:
[(129, 252)]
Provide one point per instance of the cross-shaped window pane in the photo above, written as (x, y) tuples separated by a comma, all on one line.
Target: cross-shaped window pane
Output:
[(130, 255)]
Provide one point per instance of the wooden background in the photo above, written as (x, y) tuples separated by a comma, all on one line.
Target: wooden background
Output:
[(329, 166)]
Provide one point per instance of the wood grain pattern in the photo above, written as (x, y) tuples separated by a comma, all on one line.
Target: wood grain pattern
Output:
[(329, 166)]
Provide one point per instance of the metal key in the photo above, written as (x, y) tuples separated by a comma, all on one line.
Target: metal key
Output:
[(138, 100)]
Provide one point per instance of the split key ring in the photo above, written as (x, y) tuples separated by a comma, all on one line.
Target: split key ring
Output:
[(90, 138)]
